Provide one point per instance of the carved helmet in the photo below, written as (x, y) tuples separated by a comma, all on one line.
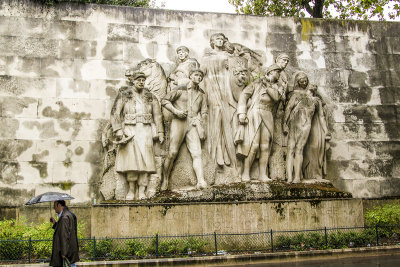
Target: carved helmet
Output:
[(134, 73), (182, 47), (282, 56), (271, 68), (196, 70)]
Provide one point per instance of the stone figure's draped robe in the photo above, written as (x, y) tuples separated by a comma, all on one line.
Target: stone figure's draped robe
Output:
[(222, 106), (298, 114), (314, 163)]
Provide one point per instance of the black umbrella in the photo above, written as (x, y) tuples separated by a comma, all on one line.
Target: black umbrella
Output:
[(48, 197)]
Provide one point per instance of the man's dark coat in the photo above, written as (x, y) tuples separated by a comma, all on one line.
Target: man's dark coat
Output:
[(65, 240)]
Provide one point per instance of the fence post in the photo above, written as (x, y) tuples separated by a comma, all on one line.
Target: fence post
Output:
[(272, 241), (30, 250), (326, 238), (215, 243), (156, 245), (94, 247), (377, 236)]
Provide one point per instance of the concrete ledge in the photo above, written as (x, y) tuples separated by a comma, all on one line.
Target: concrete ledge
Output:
[(232, 259)]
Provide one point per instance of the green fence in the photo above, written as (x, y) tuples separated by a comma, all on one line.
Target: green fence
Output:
[(31, 251)]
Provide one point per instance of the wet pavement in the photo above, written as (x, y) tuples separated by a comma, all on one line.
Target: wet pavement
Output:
[(388, 260)]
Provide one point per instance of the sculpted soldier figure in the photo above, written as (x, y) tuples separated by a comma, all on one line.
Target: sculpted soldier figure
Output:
[(136, 121), (298, 119), (259, 121), (180, 75), (282, 61), (188, 103)]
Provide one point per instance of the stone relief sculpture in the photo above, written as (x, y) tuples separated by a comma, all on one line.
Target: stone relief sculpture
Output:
[(278, 153), (226, 67), (180, 75), (240, 119), (188, 104), (156, 81), (255, 136), (136, 121), (108, 181), (220, 100), (314, 162), (253, 58), (304, 114)]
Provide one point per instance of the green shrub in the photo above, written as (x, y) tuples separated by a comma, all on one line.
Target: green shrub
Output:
[(136, 248), (179, 246), (17, 234), (196, 244), (387, 218), (12, 244), (314, 240), (101, 250), (119, 253), (283, 242), (388, 214), (337, 240), (44, 231)]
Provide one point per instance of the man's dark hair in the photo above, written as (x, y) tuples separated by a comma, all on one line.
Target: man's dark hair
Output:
[(62, 202)]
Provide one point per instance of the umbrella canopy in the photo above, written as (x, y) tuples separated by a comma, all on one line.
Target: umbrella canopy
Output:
[(48, 197)]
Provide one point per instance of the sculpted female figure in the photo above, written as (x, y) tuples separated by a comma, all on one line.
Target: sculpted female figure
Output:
[(314, 163), (221, 102), (299, 113)]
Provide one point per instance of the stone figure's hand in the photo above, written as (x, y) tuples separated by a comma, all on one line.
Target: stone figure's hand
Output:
[(328, 136), (119, 134), (285, 129), (242, 118), (181, 114), (126, 133), (161, 137)]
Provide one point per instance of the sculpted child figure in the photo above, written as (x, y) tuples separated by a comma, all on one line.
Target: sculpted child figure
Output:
[(188, 104), (185, 64), (258, 119), (136, 121), (298, 118)]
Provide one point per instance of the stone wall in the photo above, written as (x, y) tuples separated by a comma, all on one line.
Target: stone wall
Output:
[(224, 217), (61, 68)]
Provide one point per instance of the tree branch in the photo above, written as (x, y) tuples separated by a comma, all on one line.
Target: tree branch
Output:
[(318, 8), (306, 5)]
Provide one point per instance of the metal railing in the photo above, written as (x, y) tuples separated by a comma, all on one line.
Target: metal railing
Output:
[(156, 246)]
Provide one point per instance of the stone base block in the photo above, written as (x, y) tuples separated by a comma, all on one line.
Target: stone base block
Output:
[(124, 220), (252, 191)]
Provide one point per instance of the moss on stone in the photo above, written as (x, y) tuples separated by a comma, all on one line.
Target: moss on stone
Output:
[(307, 28), (65, 185)]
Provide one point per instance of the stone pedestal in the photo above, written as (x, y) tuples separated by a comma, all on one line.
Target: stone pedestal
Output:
[(239, 217)]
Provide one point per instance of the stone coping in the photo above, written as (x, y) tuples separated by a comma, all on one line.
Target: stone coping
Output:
[(127, 203), (231, 259)]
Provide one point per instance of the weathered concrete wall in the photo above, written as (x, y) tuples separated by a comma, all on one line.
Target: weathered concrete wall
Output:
[(240, 217), (61, 66), (224, 217)]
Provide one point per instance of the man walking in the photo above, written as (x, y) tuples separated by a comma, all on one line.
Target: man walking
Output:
[(65, 239)]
